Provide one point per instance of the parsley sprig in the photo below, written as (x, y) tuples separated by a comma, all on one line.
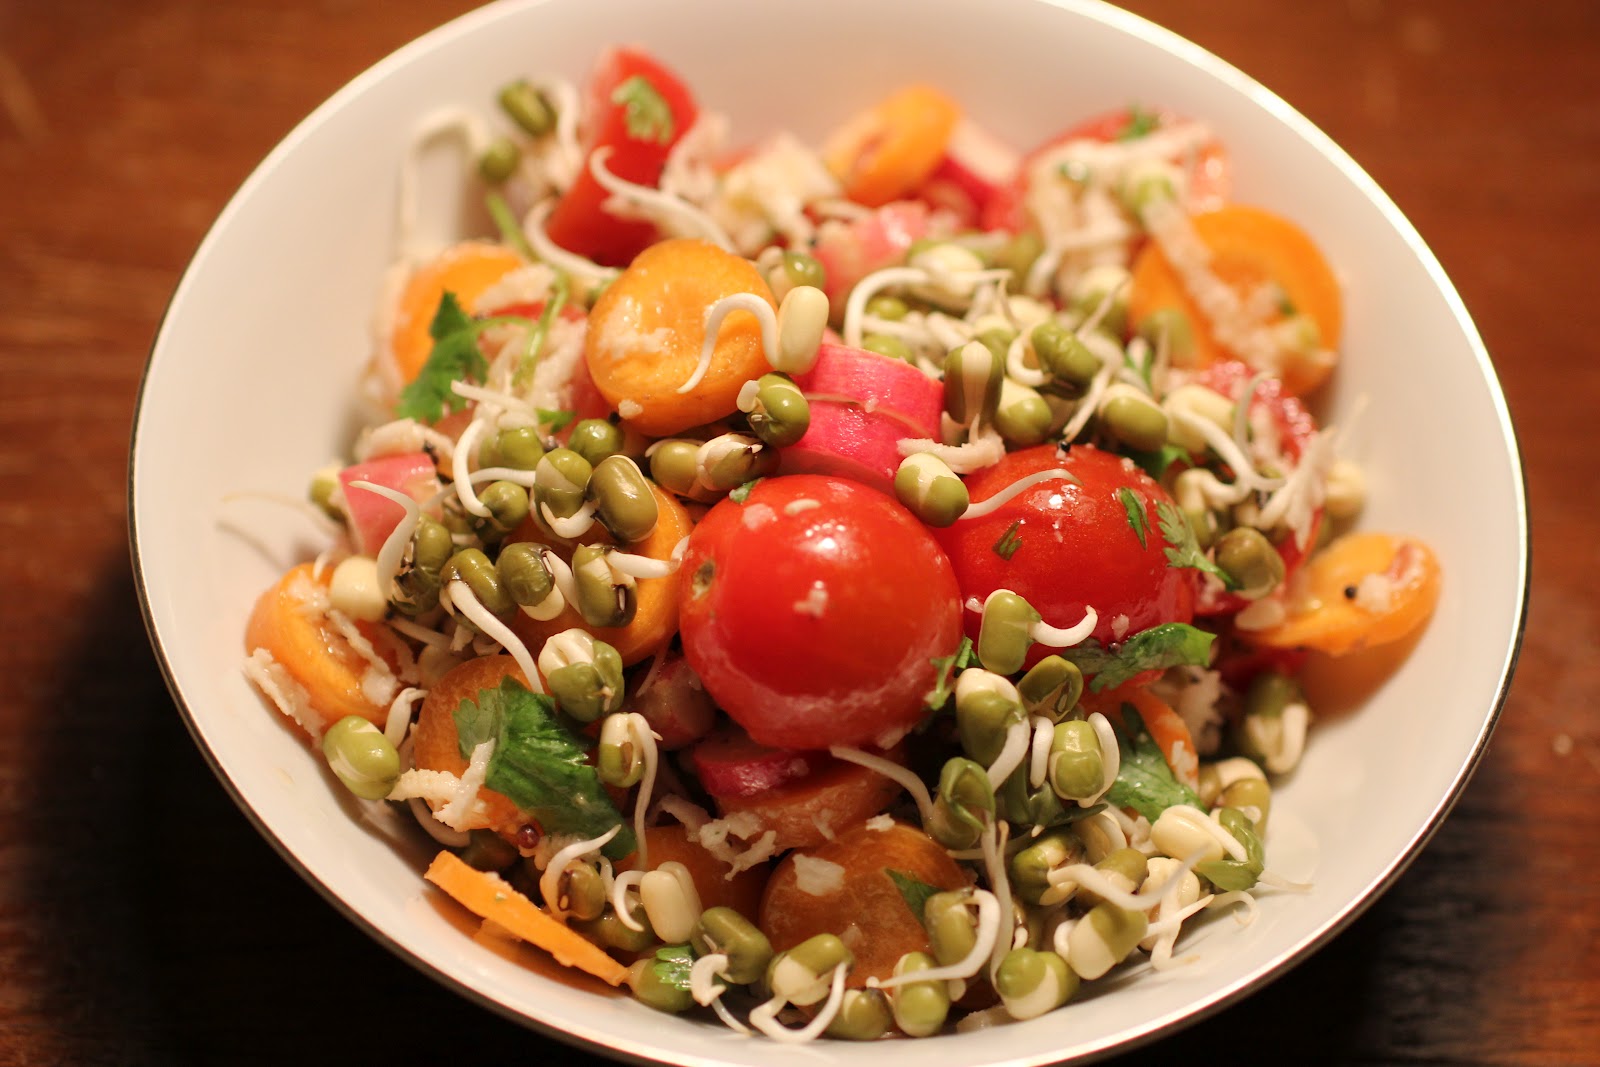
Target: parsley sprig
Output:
[(1138, 517), (454, 358), (646, 113), (1182, 548), (1172, 644)]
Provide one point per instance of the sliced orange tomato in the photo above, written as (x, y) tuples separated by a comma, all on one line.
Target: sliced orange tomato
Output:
[(646, 331), (890, 149), (1250, 248), (1361, 591)]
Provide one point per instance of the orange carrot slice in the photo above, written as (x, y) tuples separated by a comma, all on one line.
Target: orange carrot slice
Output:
[(1363, 590), (673, 843), (1249, 248), (646, 331), (491, 897), (655, 618), (436, 742), (890, 149), (864, 896), (467, 270), (803, 812), (1167, 728)]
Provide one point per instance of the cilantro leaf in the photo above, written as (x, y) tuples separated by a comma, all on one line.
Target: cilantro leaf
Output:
[(1172, 644), (1145, 782), (1138, 518), (539, 764), (741, 494), (1141, 123), (454, 357), (645, 111), (672, 965), (948, 667), (555, 421), (913, 890), (1009, 541), (1155, 463), (1184, 550), (510, 227)]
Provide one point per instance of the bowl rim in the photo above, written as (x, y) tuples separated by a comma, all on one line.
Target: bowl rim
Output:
[(1150, 1030)]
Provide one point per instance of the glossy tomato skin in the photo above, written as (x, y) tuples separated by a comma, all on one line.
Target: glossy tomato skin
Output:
[(579, 222), (1077, 547), (813, 610)]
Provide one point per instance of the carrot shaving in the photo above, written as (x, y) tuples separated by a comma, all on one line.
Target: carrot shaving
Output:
[(492, 898)]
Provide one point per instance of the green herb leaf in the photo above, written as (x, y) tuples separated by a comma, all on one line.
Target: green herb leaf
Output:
[(1172, 644), (1184, 550), (1138, 518), (555, 421), (948, 667), (454, 357), (1155, 463), (1141, 123), (913, 890), (741, 494), (645, 112), (1009, 541), (1145, 782), (539, 764), (672, 965)]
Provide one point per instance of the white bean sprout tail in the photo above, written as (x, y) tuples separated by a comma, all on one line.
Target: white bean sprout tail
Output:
[(719, 311), (764, 1016), (460, 595), (892, 770), (550, 880)]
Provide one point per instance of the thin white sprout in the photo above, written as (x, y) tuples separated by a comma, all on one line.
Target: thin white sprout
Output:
[(982, 948), (702, 977), (494, 397), (1167, 928), (764, 1016), (1193, 817), (1021, 485), (619, 898), (1241, 409), (470, 127), (1277, 882), (1044, 732), (524, 478), (399, 718), (1087, 876), (574, 525), (715, 315), (867, 288), (1222, 443), (892, 770), (1091, 401), (1110, 755), (462, 598), (636, 566), (458, 468), (644, 738), (728, 1017), (550, 880), (993, 841), (1245, 915), (671, 213), (394, 545), (1086, 239), (1011, 754), (554, 254), (569, 153), (1017, 368)]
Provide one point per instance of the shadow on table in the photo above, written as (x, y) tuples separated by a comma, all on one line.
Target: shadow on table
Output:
[(166, 930)]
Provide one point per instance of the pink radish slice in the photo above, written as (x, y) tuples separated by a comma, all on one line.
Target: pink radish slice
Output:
[(880, 401), (373, 517), (849, 251), (729, 764)]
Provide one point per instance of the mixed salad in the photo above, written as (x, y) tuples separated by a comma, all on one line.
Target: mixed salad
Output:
[(854, 591)]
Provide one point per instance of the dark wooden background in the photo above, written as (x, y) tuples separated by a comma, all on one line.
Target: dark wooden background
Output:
[(143, 921)]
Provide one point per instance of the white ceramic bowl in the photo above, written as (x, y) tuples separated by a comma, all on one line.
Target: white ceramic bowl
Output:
[(249, 389)]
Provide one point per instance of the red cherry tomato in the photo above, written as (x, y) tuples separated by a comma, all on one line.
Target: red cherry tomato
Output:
[(1295, 428), (813, 612), (1076, 545), (623, 111), (1210, 177)]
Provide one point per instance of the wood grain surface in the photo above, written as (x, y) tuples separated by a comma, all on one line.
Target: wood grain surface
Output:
[(142, 920)]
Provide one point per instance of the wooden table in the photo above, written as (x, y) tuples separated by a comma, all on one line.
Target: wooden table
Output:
[(143, 921)]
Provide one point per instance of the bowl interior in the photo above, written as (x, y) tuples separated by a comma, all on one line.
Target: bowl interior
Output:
[(249, 390)]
